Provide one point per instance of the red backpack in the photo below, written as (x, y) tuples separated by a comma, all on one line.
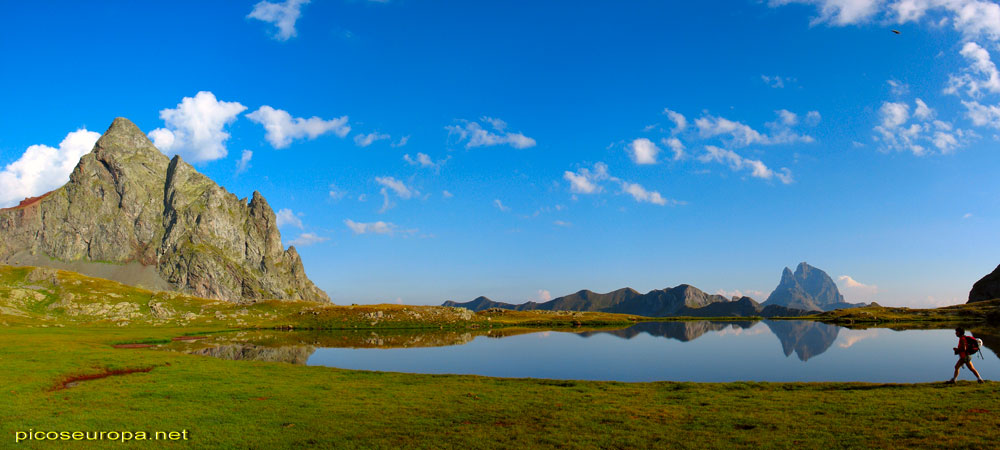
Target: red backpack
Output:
[(971, 345)]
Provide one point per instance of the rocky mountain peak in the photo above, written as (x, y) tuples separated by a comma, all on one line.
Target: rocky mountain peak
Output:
[(808, 288), (129, 205)]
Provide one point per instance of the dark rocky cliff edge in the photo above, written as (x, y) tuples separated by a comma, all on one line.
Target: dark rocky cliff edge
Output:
[(987, 288)]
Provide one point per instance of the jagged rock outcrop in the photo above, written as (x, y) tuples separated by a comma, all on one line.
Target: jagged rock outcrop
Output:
[(808, 289), (158, 220), (987, 288)]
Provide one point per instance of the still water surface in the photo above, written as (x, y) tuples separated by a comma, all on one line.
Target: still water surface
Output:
[(656, 351)]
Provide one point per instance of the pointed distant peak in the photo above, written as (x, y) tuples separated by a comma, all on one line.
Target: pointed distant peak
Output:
[(123, 125), (258, 200), (803, 267), (482, 298), (786, 271), (124, 138)]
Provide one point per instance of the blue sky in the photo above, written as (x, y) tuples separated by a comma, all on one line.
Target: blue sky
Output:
[(427, 151)]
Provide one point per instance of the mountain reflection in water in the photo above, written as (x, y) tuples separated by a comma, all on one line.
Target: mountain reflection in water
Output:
[(707, 351), (682, 331), (807, 339)]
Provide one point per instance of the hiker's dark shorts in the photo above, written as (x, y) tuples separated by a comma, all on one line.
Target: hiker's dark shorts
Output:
[(965, 359)]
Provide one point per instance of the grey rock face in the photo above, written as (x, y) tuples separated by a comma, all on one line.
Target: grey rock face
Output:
[(127, 203), (808, 289), (987, 288)]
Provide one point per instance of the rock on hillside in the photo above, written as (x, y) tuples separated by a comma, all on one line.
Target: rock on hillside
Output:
[(128, 205), (987, 288)]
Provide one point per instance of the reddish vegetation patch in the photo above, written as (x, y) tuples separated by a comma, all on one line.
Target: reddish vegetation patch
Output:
[(188, 338), (979, 411), (75, 379), (132, 345), (27, 202)]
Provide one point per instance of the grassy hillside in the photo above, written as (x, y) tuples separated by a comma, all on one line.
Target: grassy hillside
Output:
[(970, 312), (53, 298)]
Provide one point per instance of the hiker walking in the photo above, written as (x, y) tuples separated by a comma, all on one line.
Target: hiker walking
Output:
[(967, 346)]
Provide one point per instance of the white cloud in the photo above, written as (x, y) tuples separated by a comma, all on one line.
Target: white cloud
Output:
[(788, 118), (776, 81), (680, 122), (41, 168), (500, 206), (423, 160), (894, 114), (856, 289), (675, 146), (736, 162), (898, 88), (852, 283), (401, 142), (967, 216), (447, 194), (643, 151), (839, 12), (281, 15), (972, 18), (561, 223), (585, 181), (477, 136), (306, 239), (982, 115), (981, 75), (742, 135), (364, 140), (244, 162), (641, 195), (398, 187), (813, 118), (379, 227), (287, 217), (336, 193), (922, 111), (544, 295), (194, 129), (898, 130), (282, 128)]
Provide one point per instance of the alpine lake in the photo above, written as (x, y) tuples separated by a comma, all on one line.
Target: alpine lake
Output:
[(699, 351)]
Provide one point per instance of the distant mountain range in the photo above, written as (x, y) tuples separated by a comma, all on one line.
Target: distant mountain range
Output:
[(806, 291)]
